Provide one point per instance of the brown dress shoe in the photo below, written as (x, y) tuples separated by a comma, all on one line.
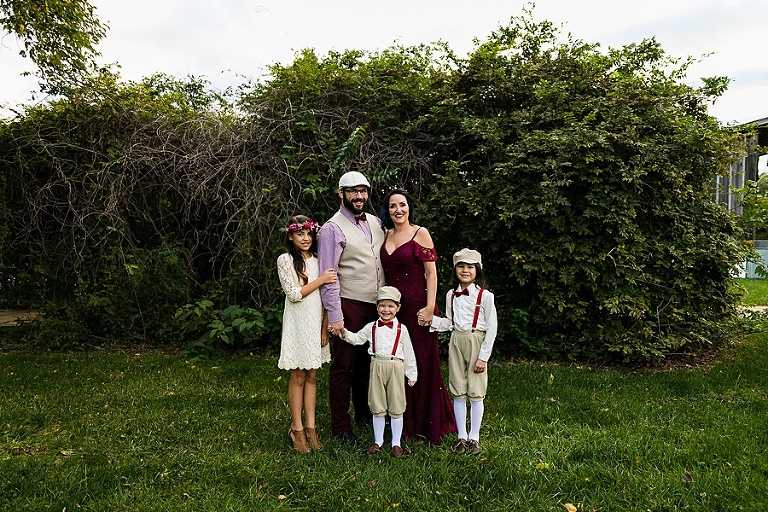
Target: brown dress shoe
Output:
[(312, 439), (396, 452), (298, 440), (373, 449), (473, 447), (461, 446)]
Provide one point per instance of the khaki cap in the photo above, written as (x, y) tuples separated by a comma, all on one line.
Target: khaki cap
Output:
[(388, 293), (467, 256)]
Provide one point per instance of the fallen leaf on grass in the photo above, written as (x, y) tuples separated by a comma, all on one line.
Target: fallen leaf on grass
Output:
[(570, 508), (373, 483), (482, 461), (687, 478), (281, 497)]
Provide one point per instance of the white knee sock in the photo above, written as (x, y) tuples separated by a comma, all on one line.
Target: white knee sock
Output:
[(379, 422), (396, 424), (476, 410), (460, 411)]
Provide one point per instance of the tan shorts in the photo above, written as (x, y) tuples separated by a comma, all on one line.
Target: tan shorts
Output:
[(463, 351), (386, 389)]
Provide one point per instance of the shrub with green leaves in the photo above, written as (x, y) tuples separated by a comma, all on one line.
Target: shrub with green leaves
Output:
[(585, 178), (582, 176), (210, 329)]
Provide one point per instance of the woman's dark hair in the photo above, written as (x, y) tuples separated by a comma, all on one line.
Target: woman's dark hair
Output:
[(385, 220), (479, 277), (298, 259)]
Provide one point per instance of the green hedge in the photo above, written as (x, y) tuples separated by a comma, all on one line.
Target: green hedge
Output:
[(584, 177)]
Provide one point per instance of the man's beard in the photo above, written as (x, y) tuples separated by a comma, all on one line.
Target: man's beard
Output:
[(349, 206)]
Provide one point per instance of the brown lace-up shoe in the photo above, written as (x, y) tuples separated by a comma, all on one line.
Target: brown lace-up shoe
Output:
[(473, 447), (461, 446)]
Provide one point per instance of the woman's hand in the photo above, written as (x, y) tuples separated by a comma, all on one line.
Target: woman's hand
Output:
[(424, 316)]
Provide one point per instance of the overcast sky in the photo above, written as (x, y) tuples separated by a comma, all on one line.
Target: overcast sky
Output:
[(230, 39)]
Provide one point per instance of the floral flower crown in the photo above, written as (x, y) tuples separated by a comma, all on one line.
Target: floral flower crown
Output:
[(310, 225)]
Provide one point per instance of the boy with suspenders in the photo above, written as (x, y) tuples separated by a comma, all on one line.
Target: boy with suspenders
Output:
[(392, 360), (471, 318)]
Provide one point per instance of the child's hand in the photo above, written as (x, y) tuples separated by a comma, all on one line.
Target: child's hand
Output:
[(480, 366), (328, 277), (336, 328), (324, 339), (411, 383)]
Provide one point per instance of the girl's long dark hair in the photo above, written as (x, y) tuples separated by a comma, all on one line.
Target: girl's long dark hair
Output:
[(298, 259), (386, 221), (479, 277)]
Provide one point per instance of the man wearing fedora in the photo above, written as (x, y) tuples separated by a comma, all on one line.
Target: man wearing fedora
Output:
[(350, 242)]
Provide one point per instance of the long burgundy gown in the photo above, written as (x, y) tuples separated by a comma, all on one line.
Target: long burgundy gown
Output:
[(428, 410)]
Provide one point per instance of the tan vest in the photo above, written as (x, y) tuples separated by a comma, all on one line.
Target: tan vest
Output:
[(360, 273)]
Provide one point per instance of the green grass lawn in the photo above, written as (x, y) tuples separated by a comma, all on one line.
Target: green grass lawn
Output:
[(756, 291), (97, 432)]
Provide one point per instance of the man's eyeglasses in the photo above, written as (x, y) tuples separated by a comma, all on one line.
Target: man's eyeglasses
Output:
[(356, 191)]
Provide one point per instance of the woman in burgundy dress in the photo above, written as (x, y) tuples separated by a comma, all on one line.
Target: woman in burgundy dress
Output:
[(408, 256)]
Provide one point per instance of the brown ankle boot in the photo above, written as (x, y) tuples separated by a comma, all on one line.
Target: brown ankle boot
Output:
[(298, 440), (312, 439)]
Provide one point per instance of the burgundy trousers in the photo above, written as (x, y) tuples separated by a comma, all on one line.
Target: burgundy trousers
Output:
[(349, 370)]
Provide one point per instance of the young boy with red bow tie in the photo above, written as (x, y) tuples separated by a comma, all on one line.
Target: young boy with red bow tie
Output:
[(471, 318), (392, 359)]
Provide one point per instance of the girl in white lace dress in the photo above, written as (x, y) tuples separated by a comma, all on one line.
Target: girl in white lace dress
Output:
[(304, 344)]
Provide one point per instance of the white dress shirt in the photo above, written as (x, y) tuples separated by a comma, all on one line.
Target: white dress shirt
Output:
[(385, 342), (462, 310)]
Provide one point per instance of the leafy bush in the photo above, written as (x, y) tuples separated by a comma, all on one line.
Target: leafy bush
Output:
[(514, 335), (215, 329), (583, 177), (59, 329)]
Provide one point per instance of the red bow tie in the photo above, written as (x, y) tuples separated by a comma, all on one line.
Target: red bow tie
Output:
[(359, 218), (465, 291), (383, 323)]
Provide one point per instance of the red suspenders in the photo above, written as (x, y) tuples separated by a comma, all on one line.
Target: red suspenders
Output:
[(477, 308), (397, 338)]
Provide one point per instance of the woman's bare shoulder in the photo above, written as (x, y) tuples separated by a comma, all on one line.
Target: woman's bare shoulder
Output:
[(423, 238)]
